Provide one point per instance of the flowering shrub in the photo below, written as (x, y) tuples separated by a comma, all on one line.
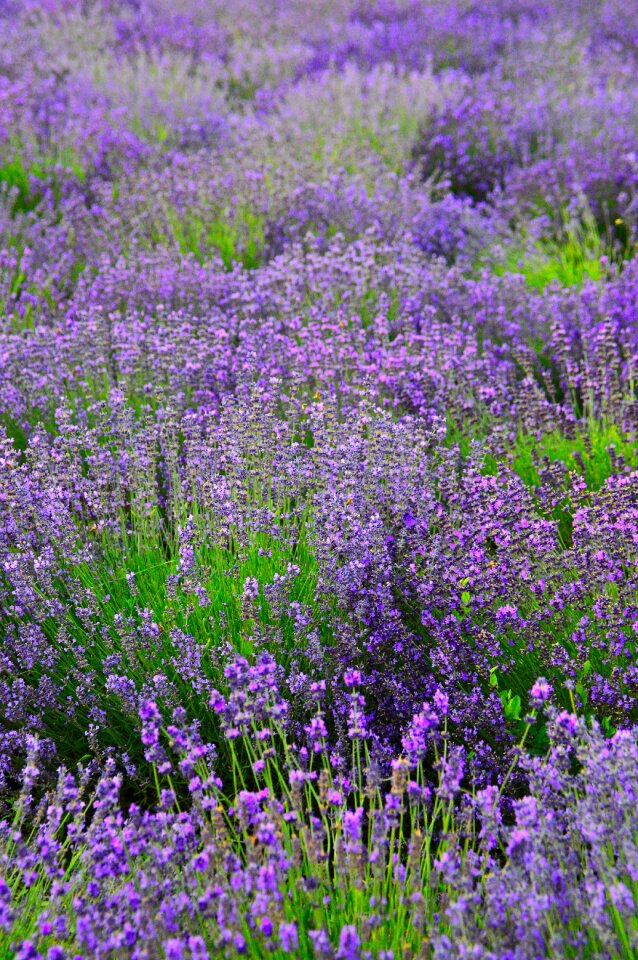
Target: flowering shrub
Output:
[(318, 479), (313, 851)]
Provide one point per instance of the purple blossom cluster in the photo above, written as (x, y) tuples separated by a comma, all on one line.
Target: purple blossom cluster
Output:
[(318, 479), (322, 857)]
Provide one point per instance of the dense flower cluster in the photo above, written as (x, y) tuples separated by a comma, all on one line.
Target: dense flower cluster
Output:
[(318, 479), (324, 857)]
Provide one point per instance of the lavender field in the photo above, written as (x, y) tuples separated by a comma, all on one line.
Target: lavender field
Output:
[(318, 479)]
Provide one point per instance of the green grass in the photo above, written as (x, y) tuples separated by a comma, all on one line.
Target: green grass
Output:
[(569, 266), (577, 253), (593, 452), (17, 178), (237, 238)]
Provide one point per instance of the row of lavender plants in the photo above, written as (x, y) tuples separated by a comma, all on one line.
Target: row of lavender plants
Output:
[(318, 479)]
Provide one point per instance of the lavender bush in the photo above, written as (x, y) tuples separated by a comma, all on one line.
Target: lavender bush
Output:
[(314, 854), (318, 480)]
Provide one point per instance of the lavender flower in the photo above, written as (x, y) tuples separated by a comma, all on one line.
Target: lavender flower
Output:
[(318, 479)]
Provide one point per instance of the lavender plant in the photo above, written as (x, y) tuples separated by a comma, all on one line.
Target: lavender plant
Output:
[(318, 479), (315, 853)]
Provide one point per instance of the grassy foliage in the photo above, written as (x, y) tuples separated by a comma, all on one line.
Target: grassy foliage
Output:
[(574, 251), (236, 239), (596, 451)]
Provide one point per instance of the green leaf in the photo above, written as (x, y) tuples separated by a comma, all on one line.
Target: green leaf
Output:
[(513, 708), (582, 693)]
